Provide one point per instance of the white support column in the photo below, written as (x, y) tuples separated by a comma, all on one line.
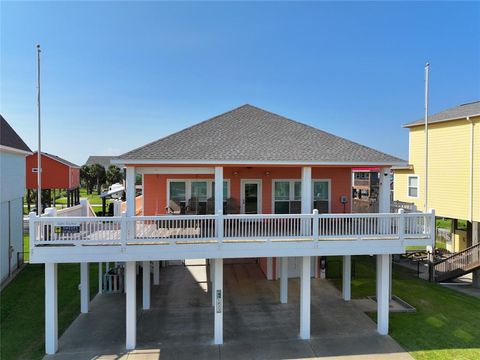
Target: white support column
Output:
[(130, 190), (212, 279), (284, 280), (347, 277), (84, 287), (146, 285), (383, 292), (51, 309), (100, 277), (218, 309), (156, 272), (384, 191), (218, 189), (269, 268), (307, 200), (131, 305), (305, 273)]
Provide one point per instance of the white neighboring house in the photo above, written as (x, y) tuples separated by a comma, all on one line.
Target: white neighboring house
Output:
[(13, 151)]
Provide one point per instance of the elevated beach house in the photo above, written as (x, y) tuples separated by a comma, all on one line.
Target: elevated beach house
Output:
[(245, 184)]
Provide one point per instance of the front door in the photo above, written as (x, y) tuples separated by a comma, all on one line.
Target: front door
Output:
[(251, 197)]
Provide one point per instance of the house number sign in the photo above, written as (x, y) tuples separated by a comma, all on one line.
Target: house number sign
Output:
[(67, 229), (218, 305)]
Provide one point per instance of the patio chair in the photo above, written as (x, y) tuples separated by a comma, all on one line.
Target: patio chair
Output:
[(173, 208), (210, 208), (231, 206), (192, 207)]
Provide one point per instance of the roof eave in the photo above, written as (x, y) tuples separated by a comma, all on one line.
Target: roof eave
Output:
[(15, 150), (409, 125), (243, 162)]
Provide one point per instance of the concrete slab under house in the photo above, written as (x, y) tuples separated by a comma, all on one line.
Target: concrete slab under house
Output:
[(247, 184)]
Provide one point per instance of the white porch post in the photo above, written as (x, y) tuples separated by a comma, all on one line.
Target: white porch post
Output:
[(156, 272), (383, 292), (307, 201), (100, 277), (269, 268), (283, 280), (384, 191), (146, 285), (131, 304), (218, 307), (347, 277), (305, 298), (84, 287), (51, 309), (218, 189), (212, 279), (130, 191)]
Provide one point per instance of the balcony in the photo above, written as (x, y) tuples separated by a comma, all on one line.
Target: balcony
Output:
[(77, 239)]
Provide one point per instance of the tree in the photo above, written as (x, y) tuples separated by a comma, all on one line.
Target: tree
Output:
[(88, 177), (113, 175), (98, 171)]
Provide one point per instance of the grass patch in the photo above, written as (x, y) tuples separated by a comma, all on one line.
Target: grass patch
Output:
[(445, 325), (22, 309)]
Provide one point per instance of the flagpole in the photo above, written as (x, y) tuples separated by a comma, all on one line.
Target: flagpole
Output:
[(427, 74), (39, 154)]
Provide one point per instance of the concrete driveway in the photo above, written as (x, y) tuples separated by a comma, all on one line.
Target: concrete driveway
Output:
[(256, 326)]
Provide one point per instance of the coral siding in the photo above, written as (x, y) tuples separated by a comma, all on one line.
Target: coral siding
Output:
[(55, 175), (155, 185), (155, 189)]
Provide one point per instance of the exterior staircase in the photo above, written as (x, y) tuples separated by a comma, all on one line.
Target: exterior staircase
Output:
[(458, 264)]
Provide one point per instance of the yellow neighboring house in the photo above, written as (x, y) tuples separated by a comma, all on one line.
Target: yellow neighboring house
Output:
[(453, 170)]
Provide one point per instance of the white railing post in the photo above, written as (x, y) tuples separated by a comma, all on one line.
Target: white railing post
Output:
[(32, 230), (84, 204), (315, 225), (219, 225), (401, 225), (123, 231)]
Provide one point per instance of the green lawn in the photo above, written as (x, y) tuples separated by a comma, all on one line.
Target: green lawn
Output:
[(22, 309), (446, 324), (93, 198)]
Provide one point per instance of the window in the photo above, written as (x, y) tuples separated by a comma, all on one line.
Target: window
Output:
[(182, 191), (321, 193), (287, 195), (177, 192), (413, 186)]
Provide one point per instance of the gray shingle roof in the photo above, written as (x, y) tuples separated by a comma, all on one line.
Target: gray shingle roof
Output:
[(455, 113), (101, 160), (249, 134), (9, 137)]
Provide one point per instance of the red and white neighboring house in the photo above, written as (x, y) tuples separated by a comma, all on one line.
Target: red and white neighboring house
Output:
[(246, 183), (57, 174)]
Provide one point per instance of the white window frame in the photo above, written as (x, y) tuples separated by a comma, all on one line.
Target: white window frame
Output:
[(408, 186), (329, 181), (292, 191), (188, 187), (291, 195), (259, 182)]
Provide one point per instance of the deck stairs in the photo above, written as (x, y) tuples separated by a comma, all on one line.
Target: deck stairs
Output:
[(458, 264)]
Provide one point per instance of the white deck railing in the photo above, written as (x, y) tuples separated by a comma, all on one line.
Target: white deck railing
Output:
[(220, 229)]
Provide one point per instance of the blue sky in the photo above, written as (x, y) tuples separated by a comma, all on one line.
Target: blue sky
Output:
[(119, 75)]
